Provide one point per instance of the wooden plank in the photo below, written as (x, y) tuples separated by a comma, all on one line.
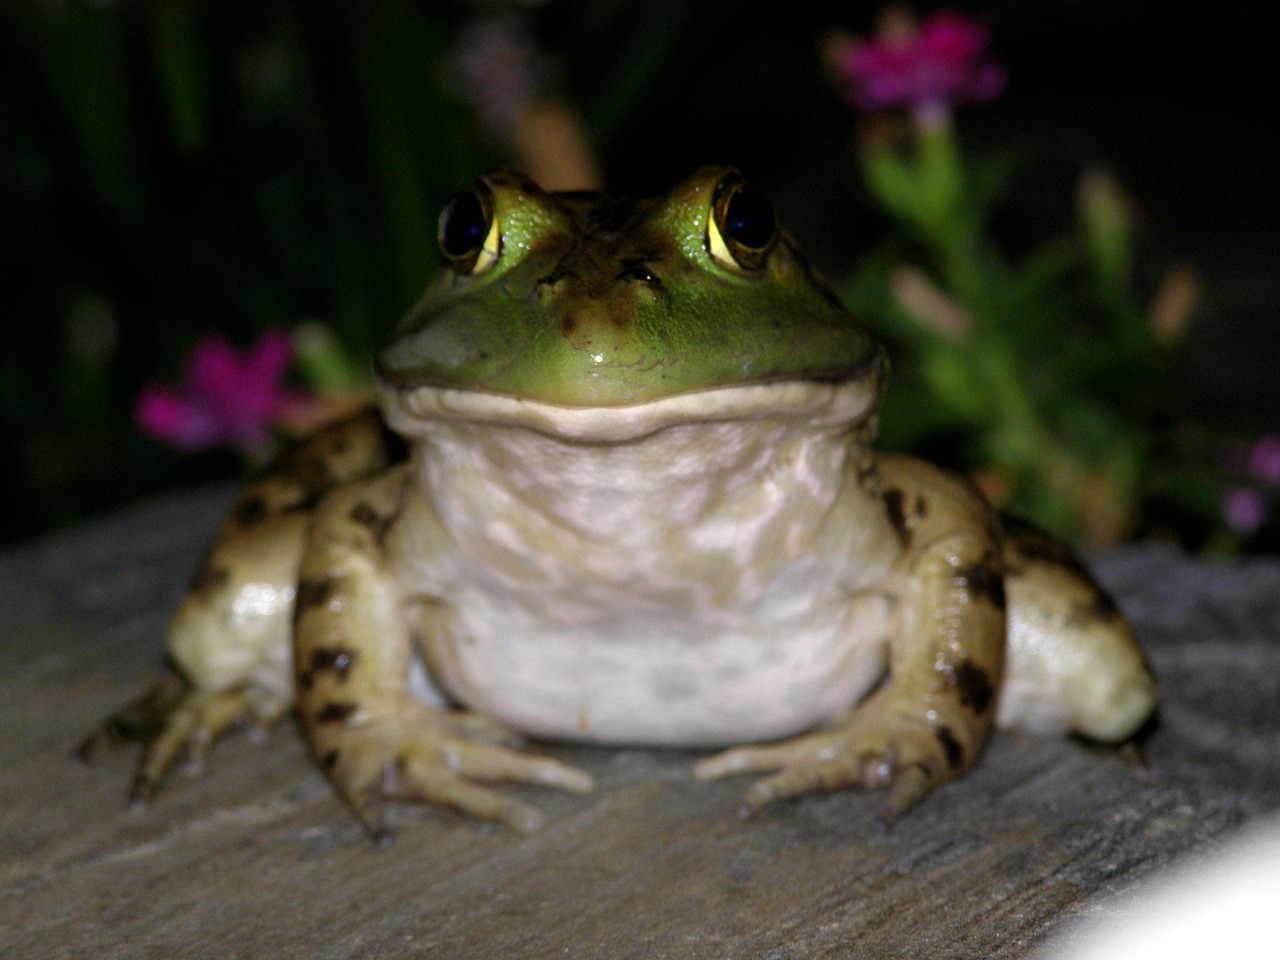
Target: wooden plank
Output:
[(258, 859)]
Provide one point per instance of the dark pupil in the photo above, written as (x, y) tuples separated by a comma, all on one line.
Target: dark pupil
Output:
[(464, 225), (748, 217)]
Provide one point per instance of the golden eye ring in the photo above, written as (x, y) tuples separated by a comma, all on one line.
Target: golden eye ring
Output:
[(468, 231), (742, 227)]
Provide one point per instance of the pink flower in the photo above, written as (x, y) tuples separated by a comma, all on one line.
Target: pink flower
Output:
[(1264, 459), (227, 398), (1245, 510), (928, 70)]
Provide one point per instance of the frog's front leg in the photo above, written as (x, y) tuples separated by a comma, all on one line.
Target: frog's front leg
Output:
[(926, 723), (228, 642), (353, 647)]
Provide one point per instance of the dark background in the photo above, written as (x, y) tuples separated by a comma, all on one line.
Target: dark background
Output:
[(171, 169)]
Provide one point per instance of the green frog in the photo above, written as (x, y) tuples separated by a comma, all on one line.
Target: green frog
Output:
[(621, 490)]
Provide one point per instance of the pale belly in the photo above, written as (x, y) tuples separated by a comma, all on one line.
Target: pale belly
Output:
[(661, 677)]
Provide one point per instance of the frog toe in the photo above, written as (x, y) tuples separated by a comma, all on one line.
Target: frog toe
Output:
[(432, 785), (911, 761), (372, 767), (814, 763), (173, 719), (481, 728), (190, 728)]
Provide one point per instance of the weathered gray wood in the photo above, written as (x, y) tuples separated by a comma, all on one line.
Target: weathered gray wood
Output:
[(258, 859)]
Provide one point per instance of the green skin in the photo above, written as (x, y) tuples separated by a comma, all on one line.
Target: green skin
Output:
[(552, 321), (639, 506)]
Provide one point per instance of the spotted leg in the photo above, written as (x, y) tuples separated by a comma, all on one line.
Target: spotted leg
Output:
[(353, 649), (228, 643), (927, 721)]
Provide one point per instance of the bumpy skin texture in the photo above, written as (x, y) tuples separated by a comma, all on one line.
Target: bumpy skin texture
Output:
[(636, 504)]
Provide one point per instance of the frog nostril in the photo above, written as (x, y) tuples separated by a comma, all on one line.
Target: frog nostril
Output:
[(555, 276), (634, 268)]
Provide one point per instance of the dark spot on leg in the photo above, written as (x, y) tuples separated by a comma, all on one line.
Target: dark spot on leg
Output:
[(315, 479), (378, 525), (209, 579), (338, 662), (984, 579), (950, 747), (249, 511), (307, 500), (330, 760), (365, 515), (335, 712), (1104, 607), (1034, 545), (313, 592), (1100, 610), (974, 685), (895, 507)]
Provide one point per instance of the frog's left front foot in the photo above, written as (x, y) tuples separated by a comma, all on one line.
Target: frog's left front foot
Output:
[(871, 748)]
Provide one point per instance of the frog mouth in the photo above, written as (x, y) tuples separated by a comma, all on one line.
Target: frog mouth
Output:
[(830, 403)]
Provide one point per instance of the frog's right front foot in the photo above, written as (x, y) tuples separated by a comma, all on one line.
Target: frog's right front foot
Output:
[(416, 754)]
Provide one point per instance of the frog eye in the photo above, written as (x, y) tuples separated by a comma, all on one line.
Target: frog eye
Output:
[(741, 228), (468, 232)]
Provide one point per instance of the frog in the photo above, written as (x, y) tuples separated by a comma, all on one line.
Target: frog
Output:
[(620, 488)]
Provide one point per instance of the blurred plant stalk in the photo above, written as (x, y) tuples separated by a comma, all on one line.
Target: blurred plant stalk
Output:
[(498, 69)]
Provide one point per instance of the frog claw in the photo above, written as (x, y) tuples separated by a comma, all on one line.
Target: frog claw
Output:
[(910, 786), (141, 791)]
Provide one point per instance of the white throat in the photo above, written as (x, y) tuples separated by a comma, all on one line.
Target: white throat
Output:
[(626, 477), (660, 573)]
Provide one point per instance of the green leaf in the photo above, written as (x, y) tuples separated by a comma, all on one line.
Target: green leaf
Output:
[(179, 54)]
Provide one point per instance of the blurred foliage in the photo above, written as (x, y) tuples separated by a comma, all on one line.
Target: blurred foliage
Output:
[(179, 166), (172, 168)]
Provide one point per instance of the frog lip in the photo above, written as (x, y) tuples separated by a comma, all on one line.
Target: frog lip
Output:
[(835, 402)]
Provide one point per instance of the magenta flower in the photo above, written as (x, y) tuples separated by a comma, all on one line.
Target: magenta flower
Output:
[(1245, 510), (1264, 460), (227, 398), (927, 71)]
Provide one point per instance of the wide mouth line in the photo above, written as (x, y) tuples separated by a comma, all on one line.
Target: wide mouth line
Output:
[(830, 401), (405, 383)]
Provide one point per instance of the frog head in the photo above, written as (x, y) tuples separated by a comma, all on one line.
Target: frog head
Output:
[(593, 302)]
